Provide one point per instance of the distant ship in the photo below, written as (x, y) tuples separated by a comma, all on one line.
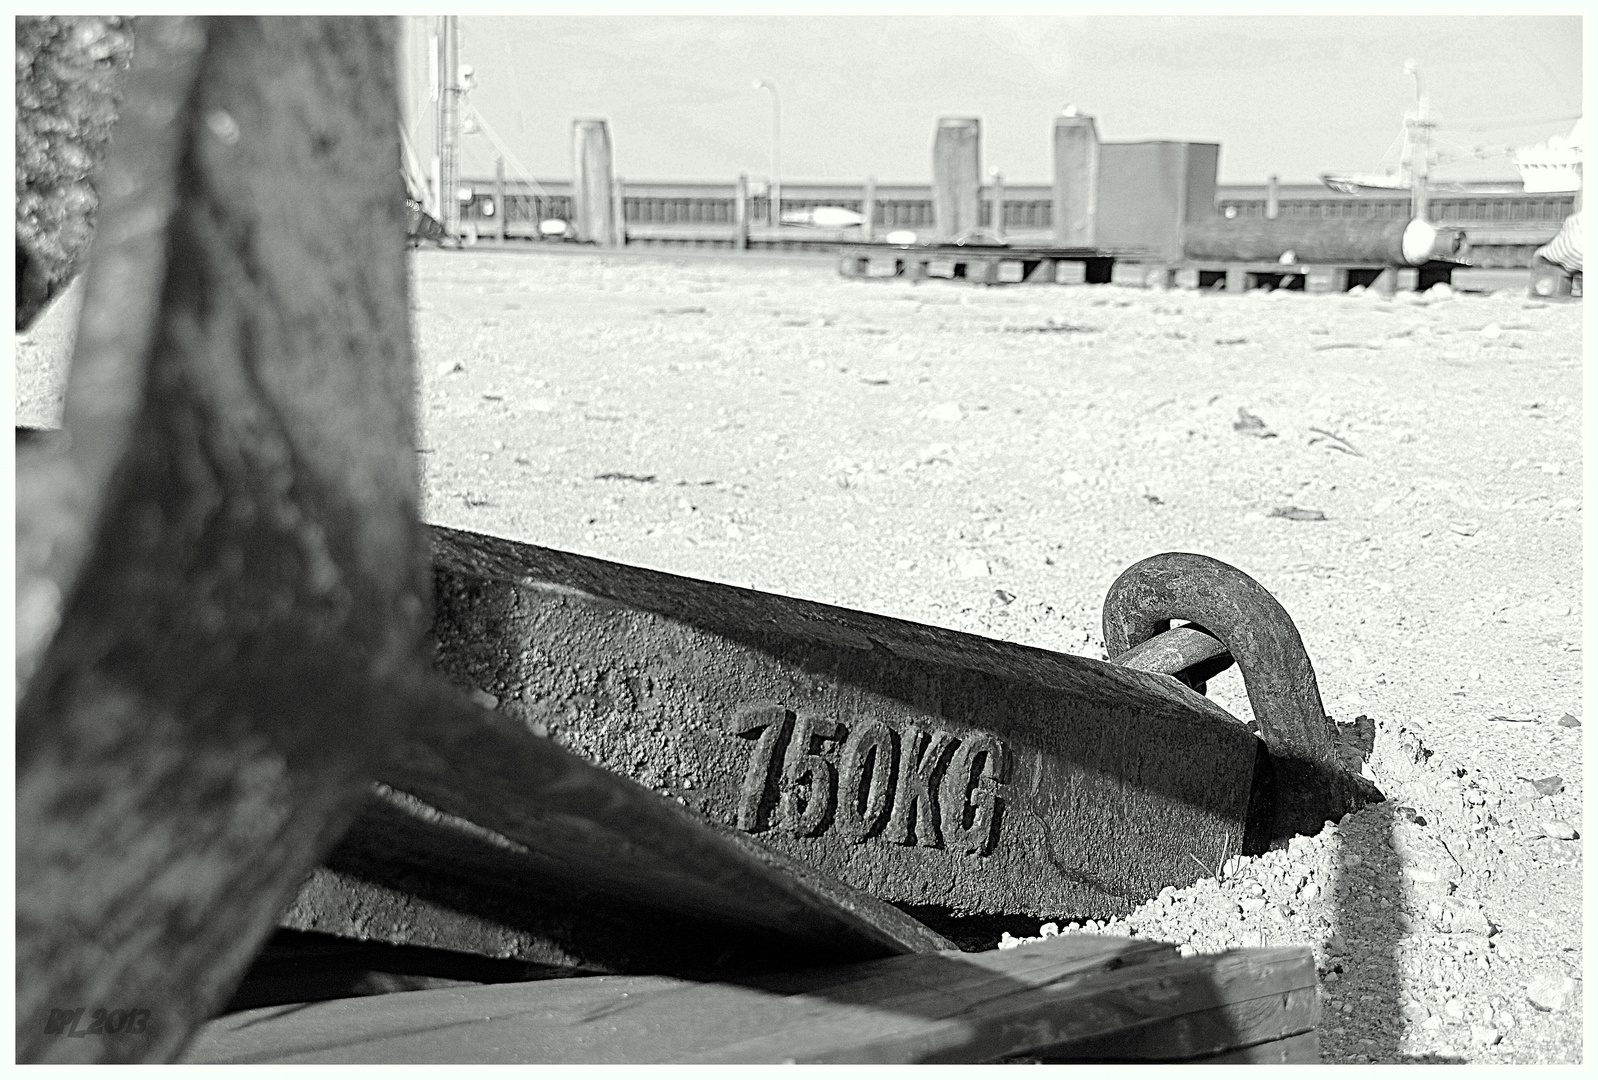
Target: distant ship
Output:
[(1400, 182), (1555, 165), (1551, 166)]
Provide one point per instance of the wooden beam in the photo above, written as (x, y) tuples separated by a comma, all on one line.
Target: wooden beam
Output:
[(1078, 997)]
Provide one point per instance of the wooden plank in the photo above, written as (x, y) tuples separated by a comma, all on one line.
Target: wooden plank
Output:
[(1043, 998), (1074, 1007), (1197, 1035)]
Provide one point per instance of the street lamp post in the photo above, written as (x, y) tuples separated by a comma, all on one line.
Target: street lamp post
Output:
[(776, 150)]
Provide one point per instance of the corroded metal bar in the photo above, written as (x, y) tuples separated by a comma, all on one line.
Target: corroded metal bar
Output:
[(1394, 242), (1185, 652), (938, 770)]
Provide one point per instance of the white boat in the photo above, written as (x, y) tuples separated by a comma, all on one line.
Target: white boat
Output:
[(823, 217), (1401, 183), (1554, 165)]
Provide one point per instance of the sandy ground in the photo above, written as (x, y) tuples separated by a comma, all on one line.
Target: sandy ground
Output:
[(990, 459)]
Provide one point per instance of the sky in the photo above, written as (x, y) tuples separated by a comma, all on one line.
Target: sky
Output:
[(1295, 96)]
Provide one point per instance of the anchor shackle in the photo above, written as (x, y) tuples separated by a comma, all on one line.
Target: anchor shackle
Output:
[(1309, 783)]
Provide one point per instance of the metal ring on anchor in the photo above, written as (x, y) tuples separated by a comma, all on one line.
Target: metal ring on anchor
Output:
[(1312, 784), (1238, 611)]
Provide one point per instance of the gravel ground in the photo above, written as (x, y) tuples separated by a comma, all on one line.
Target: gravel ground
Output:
[(1404, 475)]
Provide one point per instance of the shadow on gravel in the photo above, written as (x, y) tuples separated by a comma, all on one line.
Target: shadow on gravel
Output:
[(1365, 964), (1364, 979)]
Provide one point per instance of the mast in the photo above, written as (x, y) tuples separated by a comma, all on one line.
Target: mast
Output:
[(449, 124), (1418, 132)]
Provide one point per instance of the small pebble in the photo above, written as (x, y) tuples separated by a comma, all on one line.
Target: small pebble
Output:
[(1551, 992), (1569, 721), (1559, 830), (1481, 1035)]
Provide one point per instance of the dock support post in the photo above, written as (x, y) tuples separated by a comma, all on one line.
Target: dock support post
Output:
[(591, 181), (1076, 180), (956, 176), (868, 210), (1272, 202)]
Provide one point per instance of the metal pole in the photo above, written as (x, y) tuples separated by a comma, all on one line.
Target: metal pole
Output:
[(1421, 130), (740, 210), (618, 214), (449, 128), (1272, 202), (776, 151)]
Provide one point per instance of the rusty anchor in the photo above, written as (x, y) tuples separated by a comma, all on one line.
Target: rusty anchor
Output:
[(952, 775), (224, 600)]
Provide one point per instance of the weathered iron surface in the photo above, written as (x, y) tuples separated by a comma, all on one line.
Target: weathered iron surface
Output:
[(220, 572), (493, 826), (921, 765), (1185, 653), (1307, 782)]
